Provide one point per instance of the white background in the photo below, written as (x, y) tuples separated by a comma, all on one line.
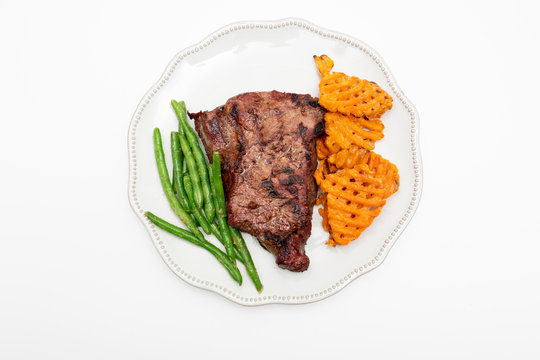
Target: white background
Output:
[(80, 278)]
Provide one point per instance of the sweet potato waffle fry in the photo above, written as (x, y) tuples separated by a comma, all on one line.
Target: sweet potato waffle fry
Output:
[(348, 158), (353, 197), (350, 95), (349, 130), (354, 181), (326, 146)]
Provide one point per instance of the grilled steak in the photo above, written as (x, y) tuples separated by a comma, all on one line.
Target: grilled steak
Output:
[(266, 140)]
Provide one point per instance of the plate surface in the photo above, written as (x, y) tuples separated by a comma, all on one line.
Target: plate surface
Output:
[(260, 56)]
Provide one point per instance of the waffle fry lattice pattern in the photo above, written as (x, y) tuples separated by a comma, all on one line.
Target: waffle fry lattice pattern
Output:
[(353, 197), (350, 95)]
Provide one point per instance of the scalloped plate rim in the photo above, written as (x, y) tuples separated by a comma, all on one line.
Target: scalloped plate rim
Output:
[(319, 31)]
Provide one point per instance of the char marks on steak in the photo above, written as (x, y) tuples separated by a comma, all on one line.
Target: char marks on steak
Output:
[(266, 140)]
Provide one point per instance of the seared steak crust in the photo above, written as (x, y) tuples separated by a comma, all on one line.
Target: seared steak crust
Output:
[(266, 140)]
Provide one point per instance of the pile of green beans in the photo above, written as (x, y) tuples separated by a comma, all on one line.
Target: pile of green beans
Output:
[(196, 196)]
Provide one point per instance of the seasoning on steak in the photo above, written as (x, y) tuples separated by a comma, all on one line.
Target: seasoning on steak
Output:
[(266, 141)]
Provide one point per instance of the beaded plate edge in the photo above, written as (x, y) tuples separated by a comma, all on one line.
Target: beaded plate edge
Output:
[(345, 279)]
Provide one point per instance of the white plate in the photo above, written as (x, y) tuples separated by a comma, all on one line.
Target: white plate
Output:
[(258, 56)]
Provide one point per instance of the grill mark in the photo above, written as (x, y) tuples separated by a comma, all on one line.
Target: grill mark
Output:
[(255, 119), (295, 179), (277, 239), (292, 189), (319, 128), (296, 209), (287, 170), (294, 98), (308, 156), (302, 130), (240, 147), (267, 184), (292, 179), (285, 182), (213, 126)]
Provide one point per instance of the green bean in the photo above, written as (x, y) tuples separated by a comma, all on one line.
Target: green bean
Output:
[(226, 235), (219, 199), (221, 206), (191, 206), (215, 228), (197, 213), (186, 235), (178, 181), (193, 173), (180, 110), (240, 245), (179, 113), (184, 167), (217, 234), (167, 187), (181, 186), (212, 187), (186, 172)]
